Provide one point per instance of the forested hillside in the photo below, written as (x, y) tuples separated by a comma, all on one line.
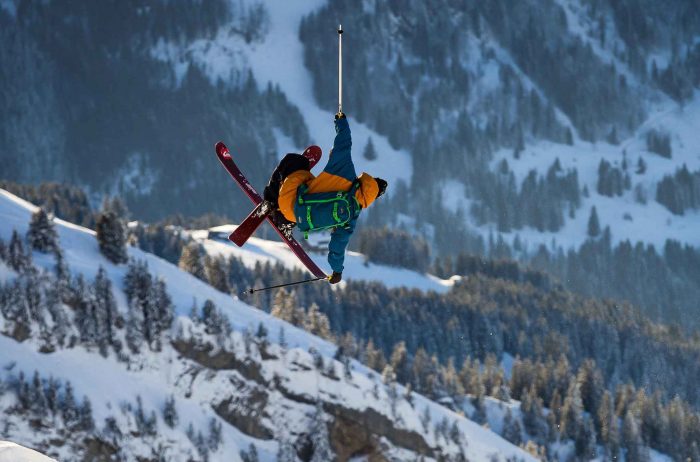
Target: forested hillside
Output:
[(113, 116)]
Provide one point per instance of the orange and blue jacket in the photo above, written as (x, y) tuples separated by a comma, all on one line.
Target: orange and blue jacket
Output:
[(338, 175)]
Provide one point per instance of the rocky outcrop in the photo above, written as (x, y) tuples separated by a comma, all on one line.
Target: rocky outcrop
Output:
[(245, 409), (205, 354), (354, 433)]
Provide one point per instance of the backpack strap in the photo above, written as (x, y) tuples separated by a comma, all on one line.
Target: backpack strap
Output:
[(301, 190)]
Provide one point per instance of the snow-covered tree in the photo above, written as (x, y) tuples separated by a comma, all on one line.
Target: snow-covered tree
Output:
[(111, 237), (191, 260), (319, 436), (170, 416), (251, 455), (317, 323), (41, 234), (285, 451), (215, 270), (511, 429), (17, 258), (286, 307), (215, 437), (106, 306)]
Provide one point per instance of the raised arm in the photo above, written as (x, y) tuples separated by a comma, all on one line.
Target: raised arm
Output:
[(340, 161)]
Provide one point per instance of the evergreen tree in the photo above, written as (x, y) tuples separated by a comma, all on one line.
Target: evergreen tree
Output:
[(571, 419), (511, 429), (215, 322), (285, 306), (370, 152), (37, 397), (111, 237), (399, 362), (251, 455), (68, 406), (170, 416), (533, 418), (632, 439), (215, 270), (17, 258), (593, 223), (163, 309), (215, 434), (191, 260), (285, 451), (106, 307), (320, 441), (641, 166), (585, 443), (317, 323), (41, 234), (135, 335), (591, 385), (85, 420), (374, 357)]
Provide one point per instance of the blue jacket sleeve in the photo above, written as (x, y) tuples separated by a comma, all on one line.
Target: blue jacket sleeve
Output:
[(336, 248), (340, 161)]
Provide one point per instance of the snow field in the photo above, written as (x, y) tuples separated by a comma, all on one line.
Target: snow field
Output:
[(109, 383)]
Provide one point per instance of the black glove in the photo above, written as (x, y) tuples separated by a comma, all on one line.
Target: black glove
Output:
[(339, 115), (335, 277)]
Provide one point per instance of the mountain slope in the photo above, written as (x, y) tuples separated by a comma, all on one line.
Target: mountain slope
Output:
[(265, 386)]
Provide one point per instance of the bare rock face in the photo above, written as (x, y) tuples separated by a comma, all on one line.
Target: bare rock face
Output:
[(245, 409), (354, 433), (350, 439), (98, 450), (205, 355), (19, 332)]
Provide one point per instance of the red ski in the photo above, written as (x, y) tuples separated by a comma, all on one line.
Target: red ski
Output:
[(226, 160), (248, 226), (246, 229)]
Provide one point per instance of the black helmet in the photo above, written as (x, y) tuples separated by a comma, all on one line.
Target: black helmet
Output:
[(382, 184)]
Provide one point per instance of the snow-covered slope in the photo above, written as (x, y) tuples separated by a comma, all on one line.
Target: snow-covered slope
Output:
[(628, 218), (277, 381), (356, 265), (278, 57), (278, 60), (11, 452)]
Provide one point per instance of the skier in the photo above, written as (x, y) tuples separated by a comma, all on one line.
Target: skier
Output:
[(333, 200)]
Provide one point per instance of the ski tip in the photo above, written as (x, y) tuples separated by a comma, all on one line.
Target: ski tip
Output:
[(314, 154), (221, 149)]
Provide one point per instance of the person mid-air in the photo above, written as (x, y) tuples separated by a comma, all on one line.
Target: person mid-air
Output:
[(331, 201)]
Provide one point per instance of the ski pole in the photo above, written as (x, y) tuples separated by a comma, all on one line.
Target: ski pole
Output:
[(340, 68), (252, 290)]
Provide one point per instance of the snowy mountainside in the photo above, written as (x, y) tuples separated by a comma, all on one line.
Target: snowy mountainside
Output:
[(439, 87), (629, 219), (11, 452), (277, 59), (264, 391), (486, 56), (356, 265)]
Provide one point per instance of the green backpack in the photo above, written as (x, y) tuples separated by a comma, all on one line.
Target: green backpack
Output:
[(327, 210)]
